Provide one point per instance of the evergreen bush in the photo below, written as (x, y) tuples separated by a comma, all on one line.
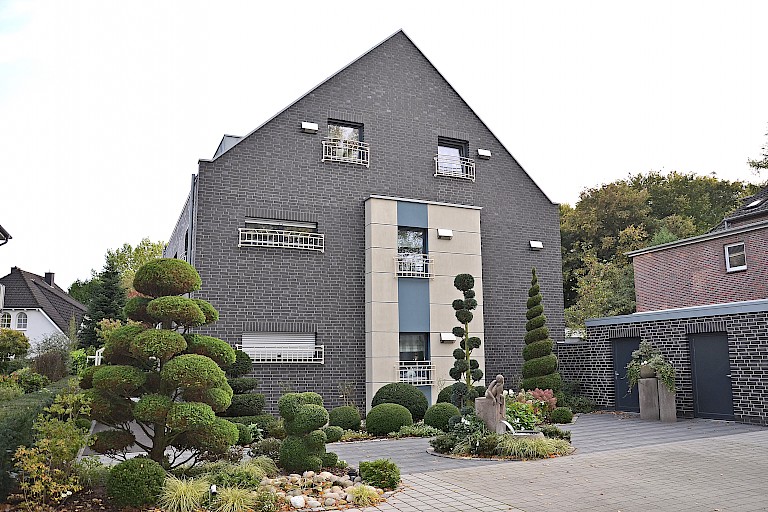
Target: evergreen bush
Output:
[(380, 473), (346, 417), (561, 415), (249, 404), (385, 418), (135, 482), (304, 417), (404, 394), (540, 364), (438, 415), (243, 385), (243, 365)]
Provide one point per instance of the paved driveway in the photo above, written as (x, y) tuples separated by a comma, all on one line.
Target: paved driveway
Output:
[(622, 464)]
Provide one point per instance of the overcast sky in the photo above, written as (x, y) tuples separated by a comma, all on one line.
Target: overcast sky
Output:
[(105, 107)]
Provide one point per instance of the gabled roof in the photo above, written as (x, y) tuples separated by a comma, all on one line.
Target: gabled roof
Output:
[(753, 206), (232, 140), (4, 235), (25, 290)]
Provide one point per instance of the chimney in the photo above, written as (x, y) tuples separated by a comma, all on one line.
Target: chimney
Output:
[(49, 278)]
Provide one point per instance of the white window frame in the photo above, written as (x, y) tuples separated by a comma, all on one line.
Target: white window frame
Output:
[(282, 347), (19, 317), (728, 266), (5, 321)]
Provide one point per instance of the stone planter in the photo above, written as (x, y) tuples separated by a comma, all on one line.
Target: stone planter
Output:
[(649, 398), (646, 372), (667, 409)]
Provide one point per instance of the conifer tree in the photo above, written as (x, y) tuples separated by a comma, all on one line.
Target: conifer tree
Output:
[(540, 366), (108, 301)]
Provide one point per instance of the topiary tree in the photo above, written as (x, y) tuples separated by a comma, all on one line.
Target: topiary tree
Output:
[(166, 380), (465, 368), (304, 448), (540, 366)]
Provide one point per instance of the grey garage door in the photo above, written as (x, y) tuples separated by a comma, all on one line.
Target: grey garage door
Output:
[(622, 354), (711, 372)]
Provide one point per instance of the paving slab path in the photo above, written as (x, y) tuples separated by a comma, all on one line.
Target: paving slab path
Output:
[(622, 464)]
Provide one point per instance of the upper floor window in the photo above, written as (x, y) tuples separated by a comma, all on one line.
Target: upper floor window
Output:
[(279, 233), (412, 259), (451, 159), (735, 257), (345, 144), (5, 321), (21, 321)]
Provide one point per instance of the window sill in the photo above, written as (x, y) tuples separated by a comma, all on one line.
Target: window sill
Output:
[(734, 270)]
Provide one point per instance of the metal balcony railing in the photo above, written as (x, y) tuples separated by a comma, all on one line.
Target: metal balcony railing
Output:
[(455, 167), (418, 373), (287, 354), (257, 237), (345, 150), (414, 265)]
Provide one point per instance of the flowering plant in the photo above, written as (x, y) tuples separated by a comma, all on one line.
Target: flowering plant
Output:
[(650, 356)]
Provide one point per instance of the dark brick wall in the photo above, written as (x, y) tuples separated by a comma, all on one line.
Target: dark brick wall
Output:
[(695, 274), (404, 104), (591, 363)]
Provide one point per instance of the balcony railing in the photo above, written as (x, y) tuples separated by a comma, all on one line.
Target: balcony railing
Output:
[(455, 167), (345, 150), (414, 265), (418, 373), (287, 354), (257, 237)]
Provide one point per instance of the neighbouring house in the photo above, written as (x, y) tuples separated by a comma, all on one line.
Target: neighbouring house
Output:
[(4, 236), (34, 305), (328, 238), (703, 301)]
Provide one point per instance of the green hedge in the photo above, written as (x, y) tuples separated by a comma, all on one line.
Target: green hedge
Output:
[(16, 417)]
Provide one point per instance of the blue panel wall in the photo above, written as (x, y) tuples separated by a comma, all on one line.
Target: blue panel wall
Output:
[(413, 304), (412, 215)]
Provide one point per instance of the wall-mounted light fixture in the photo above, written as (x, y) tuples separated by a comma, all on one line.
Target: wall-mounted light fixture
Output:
[(447, 337), (536, 245), (309, 127), (484, 154), (444, 234)]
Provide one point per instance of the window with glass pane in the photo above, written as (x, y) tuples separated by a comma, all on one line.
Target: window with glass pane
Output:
[(449, 154), (410, 241), (413, 347), (5, 321), (348, 136), (735, 257), (21, 321)]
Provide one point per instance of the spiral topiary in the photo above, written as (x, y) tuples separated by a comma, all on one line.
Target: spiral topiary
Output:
[(304, 448), (465, 369), (540, 366)]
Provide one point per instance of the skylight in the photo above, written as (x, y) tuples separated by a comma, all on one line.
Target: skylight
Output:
[(754, 203)]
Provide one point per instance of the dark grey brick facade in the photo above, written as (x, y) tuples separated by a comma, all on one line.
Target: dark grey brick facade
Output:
[(746, 326), (404, 104)]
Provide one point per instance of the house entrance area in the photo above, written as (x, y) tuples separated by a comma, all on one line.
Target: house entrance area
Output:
[(711, 375), (626, 400)]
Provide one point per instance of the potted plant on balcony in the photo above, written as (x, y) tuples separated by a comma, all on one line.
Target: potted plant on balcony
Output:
[(648, 362)]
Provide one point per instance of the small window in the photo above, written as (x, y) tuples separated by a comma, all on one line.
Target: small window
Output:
[(21, 321), (5, 321), (451, 147), (735, 257), (414, 347), (343, 131), (345, 144), (451, 159), (411, 241)]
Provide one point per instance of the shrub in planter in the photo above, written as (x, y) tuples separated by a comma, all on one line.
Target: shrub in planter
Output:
[(243, 385), (381, 473), (561, 415), (135, 482), (346, 417), (385, 418), (404, 394), (438, 415), (249, 404)]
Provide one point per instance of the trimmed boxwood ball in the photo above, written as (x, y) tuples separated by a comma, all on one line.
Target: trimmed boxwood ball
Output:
[(218, 350), (135, 482), (136, 309), (249, 404), (119, 380), (540, 366), (458, 332), (329, 459), (243, 385), (179, 310), (445, 395), (242, 365), (458, 353), (387, 417), (112, 441), (404, 394), (190, 416), (244, 434), (166, 276), (192, 371), (308, 418), (470, 303), (464, 316), (457, 304), (438, 415), (152, 408), (464, 282), (211, 315), (346, 417), (315, 440), (561, 415), (159, 343), (333, 433)]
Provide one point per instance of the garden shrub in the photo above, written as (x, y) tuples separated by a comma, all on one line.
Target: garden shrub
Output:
[(244, 434), (245, 475), (29, 381), (553, 432), (243, 385), (540, 364), (234, 499), (111, 442), (416, 430), (8, 367), (304, 448), (561, 415), (404, 394), (531, 448), (438, 415), (466, 370), (333, 433), (243, 365), (271, 426), (91, 472), (385, 418), (182, 310), (444, 443), (487, 446), (54, 364), (522, 416), (159, 344), (346, 417), (364, 495), (9, 389), (249, 404), (380, 473), (267, 464), (135, 482), (445, 395), (269, 447), (218, 350), (13, 344), (183, 495), (166, 276)]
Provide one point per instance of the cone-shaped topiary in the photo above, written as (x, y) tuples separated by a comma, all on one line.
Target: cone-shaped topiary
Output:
[(176, 376), (540, 366), (304, 448), (465, 369)]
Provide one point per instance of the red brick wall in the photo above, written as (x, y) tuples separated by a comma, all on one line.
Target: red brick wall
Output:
[(694, 274)]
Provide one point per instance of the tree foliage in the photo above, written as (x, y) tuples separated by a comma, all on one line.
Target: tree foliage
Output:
[(466, 370), (12, 343), (129, 259), (107, 302), (540, 364)]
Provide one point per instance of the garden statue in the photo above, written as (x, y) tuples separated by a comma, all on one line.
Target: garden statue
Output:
[(495, 392), (492, 407)]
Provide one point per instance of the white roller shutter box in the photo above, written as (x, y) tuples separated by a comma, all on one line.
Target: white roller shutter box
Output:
[(281, 347)]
